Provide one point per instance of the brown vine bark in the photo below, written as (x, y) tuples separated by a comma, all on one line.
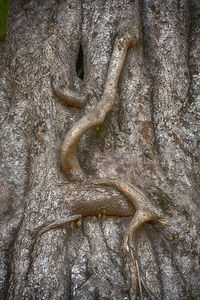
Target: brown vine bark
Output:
[(61, 239)]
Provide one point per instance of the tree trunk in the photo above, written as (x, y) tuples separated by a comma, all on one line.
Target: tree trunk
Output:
[(92, 224)]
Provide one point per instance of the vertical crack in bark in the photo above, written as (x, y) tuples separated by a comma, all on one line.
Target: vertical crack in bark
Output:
[(79, 64)]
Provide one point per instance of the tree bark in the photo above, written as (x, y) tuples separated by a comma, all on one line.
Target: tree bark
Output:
[(74, 237)]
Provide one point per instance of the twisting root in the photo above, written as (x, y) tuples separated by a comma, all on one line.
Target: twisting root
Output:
[(145, 211), (69, 160)]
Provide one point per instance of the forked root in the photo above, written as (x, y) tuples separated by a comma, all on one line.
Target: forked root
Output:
[(145, 213)]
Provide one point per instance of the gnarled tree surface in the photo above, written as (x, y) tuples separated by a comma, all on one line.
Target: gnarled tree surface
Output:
[(99, 141)]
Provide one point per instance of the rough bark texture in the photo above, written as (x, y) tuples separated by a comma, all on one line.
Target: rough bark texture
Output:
[(62, 239)]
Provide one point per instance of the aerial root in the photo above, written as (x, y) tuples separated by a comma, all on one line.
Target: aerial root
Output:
[(133, 274), (54, 225), (133, 270)]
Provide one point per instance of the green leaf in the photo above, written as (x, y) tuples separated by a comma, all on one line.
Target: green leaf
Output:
[(4, 7)]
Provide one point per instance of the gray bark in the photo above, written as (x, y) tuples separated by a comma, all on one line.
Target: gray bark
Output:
[(61, 239)]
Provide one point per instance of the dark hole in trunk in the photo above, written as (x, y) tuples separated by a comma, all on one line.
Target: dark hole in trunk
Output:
[(79, 64)]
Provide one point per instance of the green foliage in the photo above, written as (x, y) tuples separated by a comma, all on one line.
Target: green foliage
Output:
[(4, 7)]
